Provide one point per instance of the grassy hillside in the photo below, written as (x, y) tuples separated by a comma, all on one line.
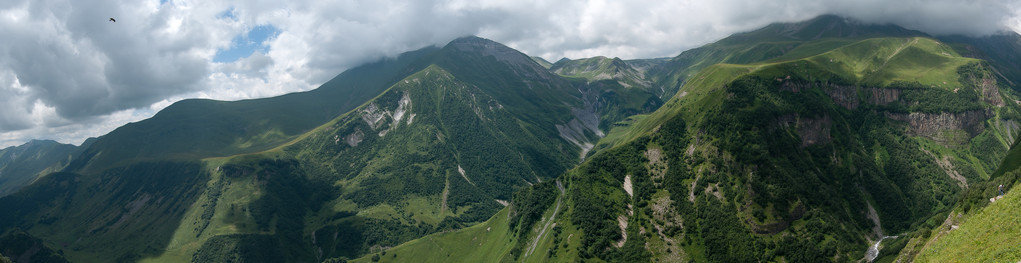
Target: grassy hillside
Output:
[(777, 156), (90, 217), (440, 149), (988, 235), (776, 42), (978, 229), (530, 230), (781, 159), (852, 125), (799, 142), (199, 128), (485, 242)]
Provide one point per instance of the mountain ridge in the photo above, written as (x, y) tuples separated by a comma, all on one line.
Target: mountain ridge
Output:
[(832, 106), (767, 145)]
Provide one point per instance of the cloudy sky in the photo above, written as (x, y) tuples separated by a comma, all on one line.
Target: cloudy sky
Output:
[(68, 73)]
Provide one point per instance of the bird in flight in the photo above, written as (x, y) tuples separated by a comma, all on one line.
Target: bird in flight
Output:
[(113, 20)]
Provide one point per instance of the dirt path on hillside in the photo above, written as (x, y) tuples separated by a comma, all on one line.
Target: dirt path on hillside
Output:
[(446, 192), (560, 200)]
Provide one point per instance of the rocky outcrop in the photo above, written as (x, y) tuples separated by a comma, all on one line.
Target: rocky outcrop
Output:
[(943, 127), (354, 138), (879, 96), (991, 92), (939, 126), (811, 130), (586, 118), (377, 117), (1009, 128), (846, 96), (815, 130)]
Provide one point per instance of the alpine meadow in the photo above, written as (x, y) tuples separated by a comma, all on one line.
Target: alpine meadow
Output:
[(824, 140)]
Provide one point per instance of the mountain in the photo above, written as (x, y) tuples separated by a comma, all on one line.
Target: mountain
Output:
[(798, 142), (620, 87), (200, 128), (21, 165), (776, 42), (798, 156), (440, 141), (602, 68), (997, 49)]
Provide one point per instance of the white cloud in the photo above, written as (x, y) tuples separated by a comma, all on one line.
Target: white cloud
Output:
[(66, 73)]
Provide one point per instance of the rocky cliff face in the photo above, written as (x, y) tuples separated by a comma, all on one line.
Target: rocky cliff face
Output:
[(990, 92), (814, 130), (944, 127)]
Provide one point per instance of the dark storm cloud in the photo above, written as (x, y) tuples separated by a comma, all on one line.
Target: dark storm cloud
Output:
[(937, 17)]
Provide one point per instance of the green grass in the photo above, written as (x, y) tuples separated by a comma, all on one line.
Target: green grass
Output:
[(991, 235), (486, 242)]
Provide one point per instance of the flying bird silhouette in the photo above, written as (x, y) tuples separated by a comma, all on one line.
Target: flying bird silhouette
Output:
[(113, 20)]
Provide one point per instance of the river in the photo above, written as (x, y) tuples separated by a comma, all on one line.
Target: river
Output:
[(873, 250)]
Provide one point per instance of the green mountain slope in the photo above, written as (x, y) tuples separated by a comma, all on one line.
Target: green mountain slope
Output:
[(776, 42), (618, 88), (439, 149), (999, 50), (799, 142), (793, 155), (603, 68), (982, 227), (199, 128), (802, 155), (22, 165), (988, 235)]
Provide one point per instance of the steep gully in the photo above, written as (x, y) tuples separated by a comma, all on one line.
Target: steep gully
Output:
[(560, 200)]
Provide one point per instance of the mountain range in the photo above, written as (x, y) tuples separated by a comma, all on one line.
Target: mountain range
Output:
[(822, 140)]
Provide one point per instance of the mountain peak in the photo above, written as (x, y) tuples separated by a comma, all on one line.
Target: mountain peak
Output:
[(486, 47), (823, 26)]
